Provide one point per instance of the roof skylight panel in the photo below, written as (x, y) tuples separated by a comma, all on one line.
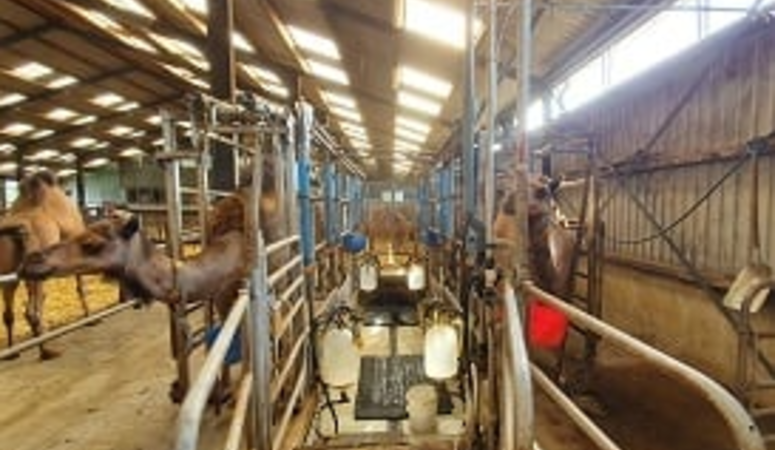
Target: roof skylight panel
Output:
[(61, 114), (83, 142), (132, 6), (31, 71), (412, 124), (132, 152), (122, 130), (11, 99), (96, 162), (418, 103), (40, 134), (328, 72), (17, 129), (334, 99), (411, 135), (83, 120), (64, 173), (423, 82), (240, 42), (44, 155), (348, 114), (437, 21), (61, 81), (314, 43)]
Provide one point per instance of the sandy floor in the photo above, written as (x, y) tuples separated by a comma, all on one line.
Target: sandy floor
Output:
[(107, 392)]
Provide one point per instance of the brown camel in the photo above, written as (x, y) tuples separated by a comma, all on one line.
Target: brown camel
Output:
[(550, 246), (41, 216), (118, 248)]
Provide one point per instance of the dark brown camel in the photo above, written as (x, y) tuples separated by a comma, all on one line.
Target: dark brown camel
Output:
[(44, 215), (550, 247)]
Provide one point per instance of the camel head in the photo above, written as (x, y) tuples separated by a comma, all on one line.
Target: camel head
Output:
[(105, 247)]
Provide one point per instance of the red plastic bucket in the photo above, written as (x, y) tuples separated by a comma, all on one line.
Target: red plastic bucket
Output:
[(547, 327)]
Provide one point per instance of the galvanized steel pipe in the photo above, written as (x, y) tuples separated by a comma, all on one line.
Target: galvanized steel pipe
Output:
[(742, 428)]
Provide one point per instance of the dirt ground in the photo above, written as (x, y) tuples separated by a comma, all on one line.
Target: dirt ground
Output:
[(107, 392)]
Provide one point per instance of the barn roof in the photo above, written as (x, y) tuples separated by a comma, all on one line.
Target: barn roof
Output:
[(83, 80)]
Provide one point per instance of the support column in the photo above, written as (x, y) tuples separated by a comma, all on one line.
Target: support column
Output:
[(220, 53), (80, 184)]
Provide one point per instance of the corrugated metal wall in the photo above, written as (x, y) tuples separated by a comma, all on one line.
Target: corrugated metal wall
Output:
[(732, 77)]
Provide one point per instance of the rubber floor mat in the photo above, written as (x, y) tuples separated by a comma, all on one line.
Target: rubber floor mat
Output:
[(383, 384)]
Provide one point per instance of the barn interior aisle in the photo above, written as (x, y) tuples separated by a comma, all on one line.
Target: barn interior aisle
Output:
[(108, 392)]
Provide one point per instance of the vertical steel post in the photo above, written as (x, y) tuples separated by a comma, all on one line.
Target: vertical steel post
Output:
[(445, 188), (524, 433), (469, 106), (522, 159), (304, 150), (329, 193), (260, 315), (178, 334), (489, 164), (220, 53)]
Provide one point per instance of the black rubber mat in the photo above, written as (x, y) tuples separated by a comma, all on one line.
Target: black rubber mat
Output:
[(392, 304), (383, 384)]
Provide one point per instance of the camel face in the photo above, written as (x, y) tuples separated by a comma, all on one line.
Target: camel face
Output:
[(102, 248)]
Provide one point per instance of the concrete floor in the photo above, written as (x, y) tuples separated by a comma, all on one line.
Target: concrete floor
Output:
[(109, 392)]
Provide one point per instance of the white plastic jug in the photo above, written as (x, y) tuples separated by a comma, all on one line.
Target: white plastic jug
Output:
[(441, 351), (339, 358), (369, 277), (415, 277)]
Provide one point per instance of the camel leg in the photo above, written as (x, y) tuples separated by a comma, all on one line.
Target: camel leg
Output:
[(9, 292), (79, 285), (34, 315)]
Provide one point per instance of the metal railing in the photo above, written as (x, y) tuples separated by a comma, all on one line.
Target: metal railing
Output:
[(517, 425), (740, 424), (295, 363)]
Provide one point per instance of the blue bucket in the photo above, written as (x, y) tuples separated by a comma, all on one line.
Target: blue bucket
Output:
[(354, 242), (234, 354)]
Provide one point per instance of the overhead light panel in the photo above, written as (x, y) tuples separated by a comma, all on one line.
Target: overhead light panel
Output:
[(241, 42), (418, 103), (107, 99), (328, 72), (83, 142), (61, 114), (412, 124), (348, 114), (276, 89), (314, 43), (436, 21), (411, 135), (334, 99), (423, 82), (83, 120), (122, 130), (400, 144), (31, 71), (132, 152), (64, 173), (40, 134), (262, 74), (11, 99), (61, 81), (197, 6), (96, 162), (17, 129), (44, 155), (132, 6)]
